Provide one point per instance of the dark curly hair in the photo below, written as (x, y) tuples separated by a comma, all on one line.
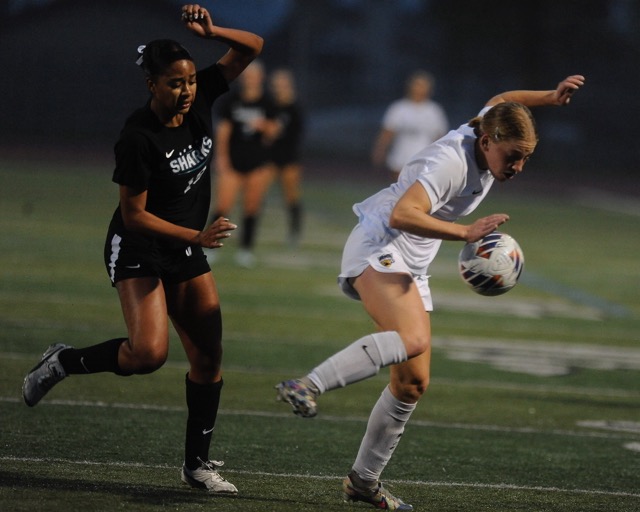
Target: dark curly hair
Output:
[(158, 55)]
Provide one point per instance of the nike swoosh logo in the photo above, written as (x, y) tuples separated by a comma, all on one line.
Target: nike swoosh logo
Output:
[(133, 266), (476, 192), (205, 431), (169, 153), (365, 347)]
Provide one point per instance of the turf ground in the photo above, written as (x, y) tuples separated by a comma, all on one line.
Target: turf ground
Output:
[(534, 403)]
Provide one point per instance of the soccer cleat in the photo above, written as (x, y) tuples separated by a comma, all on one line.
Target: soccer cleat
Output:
[(43, 376), (379, 497), (300, 396), (207, 477)]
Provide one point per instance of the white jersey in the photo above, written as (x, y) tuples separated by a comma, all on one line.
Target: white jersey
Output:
[(415, 126), (448, 171)]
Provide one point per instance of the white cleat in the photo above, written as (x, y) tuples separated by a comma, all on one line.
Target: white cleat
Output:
[(207, 477)]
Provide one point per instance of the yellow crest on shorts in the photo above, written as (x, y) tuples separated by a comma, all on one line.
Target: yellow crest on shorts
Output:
[(386, 260)]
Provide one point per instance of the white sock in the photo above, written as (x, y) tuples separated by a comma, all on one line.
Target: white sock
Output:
[(360, 360), (384, 429)]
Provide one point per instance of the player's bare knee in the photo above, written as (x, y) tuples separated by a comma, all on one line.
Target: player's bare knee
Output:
[(416, 343), (207, 361), (148, 360), (206, 371)]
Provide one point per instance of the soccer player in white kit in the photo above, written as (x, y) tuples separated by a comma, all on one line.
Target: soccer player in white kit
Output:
[(385, 265)]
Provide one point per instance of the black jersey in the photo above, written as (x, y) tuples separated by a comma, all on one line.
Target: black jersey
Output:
[(247, 149), (171, 163), (286, 148)]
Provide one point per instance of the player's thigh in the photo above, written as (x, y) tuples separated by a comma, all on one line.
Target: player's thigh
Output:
[(145, 313), (392, 300)]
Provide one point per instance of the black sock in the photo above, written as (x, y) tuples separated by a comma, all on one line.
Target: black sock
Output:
[(295, 219), (102, 357), (203, 401), (249, 224)]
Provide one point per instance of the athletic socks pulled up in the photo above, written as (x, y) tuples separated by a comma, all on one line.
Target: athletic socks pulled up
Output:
[(203, 401), (360, 360), (102, 357), (384, 430)]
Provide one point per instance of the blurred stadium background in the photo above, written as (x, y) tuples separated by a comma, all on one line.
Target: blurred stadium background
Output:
[(538, 414), (69, 77)]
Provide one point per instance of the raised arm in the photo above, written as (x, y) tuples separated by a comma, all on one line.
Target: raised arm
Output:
[(243, 46), (559, 96)]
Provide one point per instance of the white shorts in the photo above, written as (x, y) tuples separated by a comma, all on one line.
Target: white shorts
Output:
[(361, 252)]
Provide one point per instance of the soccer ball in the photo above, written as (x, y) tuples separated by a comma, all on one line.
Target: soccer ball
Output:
[(491, 266)]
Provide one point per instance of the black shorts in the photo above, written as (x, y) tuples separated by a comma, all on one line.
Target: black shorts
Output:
[(283, 156), (246, 159), (282, 161), (125, 259)]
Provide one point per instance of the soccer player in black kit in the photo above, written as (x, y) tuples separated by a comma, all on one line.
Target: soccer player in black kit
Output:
[(154, 248), (286, 147)]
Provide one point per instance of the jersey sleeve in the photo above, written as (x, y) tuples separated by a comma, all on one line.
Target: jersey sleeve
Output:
[(442, 177), (223, 108), (133, 167), (211, 84), (443, 174)]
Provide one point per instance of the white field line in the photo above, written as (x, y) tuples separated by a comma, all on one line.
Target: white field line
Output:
[(426, 483), (623, 435), (541, 358), (537, 388)]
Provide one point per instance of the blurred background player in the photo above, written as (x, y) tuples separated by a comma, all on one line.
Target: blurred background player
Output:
[(244, 133), (154, 246), (286, 148), (409, 124), (385, 264)]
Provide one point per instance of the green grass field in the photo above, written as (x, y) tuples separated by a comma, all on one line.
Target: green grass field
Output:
[(534, 403)]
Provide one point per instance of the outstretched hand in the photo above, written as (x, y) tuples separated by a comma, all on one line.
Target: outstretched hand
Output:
[(566, 88), (213, 236), (482, 227), (198, 20)]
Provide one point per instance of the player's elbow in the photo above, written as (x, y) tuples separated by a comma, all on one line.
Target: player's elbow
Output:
[(393, 221), (396, 219), (131, 223), (252, 47), (258, 45)]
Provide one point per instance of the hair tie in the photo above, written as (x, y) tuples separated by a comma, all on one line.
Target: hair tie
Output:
[(141, 52)]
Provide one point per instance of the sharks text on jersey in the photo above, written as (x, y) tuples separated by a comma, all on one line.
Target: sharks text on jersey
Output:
[(192, 159)]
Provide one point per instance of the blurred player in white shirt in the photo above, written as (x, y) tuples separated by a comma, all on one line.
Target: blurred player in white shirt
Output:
[(409, 124)]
